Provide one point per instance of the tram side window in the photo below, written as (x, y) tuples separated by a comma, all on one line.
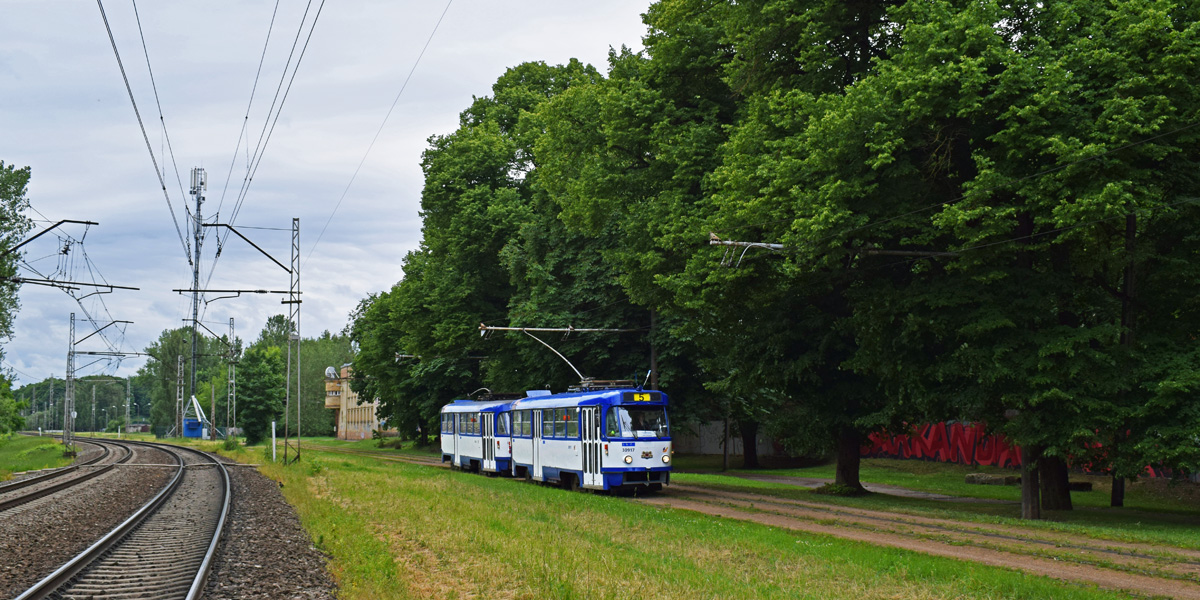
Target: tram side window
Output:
[(518, 418), (548, 422), (502, 424), (447, 423), (572, 419), (527, 425), (560, 422)]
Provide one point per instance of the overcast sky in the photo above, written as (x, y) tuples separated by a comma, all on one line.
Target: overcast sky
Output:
[(64, 111)]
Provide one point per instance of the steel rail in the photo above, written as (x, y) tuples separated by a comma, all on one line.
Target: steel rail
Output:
[(62, 485), (51, 585), (28, 481)]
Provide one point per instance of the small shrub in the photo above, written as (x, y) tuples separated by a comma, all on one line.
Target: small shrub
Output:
[(230, 443), (837, 489)]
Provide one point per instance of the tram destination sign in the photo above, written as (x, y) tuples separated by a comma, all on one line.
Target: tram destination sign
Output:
[(641, 397)]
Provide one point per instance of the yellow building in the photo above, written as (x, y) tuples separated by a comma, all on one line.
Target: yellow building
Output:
[(354, 421)]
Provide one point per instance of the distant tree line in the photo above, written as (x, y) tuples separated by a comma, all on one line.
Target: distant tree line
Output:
[(260, 376)]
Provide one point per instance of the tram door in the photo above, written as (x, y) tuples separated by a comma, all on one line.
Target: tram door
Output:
[(537, 445), (489, 441), (457, 421), (590, 420)]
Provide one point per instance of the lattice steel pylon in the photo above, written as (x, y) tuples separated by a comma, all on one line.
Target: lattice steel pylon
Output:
[(230, 394), (68, 435), (179, 397), (293, 303)]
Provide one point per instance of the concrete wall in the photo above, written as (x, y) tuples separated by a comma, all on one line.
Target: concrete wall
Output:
[(705, 438)]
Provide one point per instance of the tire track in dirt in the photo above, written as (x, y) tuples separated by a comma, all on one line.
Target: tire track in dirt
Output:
[(995, 545)]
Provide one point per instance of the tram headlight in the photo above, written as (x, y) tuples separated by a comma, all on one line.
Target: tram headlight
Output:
[(628, 459), (666, 459)]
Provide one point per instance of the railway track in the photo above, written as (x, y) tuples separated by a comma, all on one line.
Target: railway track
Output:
[(27, 490), (164, 550)]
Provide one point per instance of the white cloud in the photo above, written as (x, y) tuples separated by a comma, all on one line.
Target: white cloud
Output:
[(64, 111)]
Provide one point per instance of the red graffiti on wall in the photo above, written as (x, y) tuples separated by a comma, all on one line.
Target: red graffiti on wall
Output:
[(967, 444)]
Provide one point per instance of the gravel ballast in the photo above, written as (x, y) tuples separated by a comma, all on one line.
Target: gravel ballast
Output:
[(38, 537), (265, 553)]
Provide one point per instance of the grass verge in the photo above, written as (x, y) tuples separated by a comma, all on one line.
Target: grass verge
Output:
[(25, 453), (396, 530)]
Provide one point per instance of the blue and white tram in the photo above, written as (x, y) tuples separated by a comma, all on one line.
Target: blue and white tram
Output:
[(602, 439), (475, 436)]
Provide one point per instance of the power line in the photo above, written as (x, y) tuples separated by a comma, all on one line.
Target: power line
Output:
[(380, 130), (142, 126), (154, 86), (261, 147), (246, 119), (264, 137)]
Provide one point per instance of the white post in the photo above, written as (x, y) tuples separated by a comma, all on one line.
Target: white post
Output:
[(272, 441)]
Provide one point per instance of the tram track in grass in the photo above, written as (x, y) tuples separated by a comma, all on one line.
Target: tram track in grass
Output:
[(153, 553), (1140, 568)]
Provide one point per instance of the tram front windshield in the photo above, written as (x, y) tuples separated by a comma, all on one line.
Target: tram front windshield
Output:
[(637, 422)]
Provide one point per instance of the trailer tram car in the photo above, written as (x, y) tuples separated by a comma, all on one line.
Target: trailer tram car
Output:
[(475, 436), (597, 439)]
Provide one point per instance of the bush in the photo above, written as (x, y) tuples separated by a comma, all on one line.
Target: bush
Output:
[(230, 443), (836, 489)]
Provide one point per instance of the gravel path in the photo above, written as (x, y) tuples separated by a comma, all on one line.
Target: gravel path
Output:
[(38, 537), (265, 553)]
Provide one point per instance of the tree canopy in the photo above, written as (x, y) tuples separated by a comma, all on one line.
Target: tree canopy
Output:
[(981, 211)]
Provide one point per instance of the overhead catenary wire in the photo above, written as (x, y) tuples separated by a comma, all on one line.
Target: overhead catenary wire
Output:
[(265, 135), (1038, 234), (249, 105), (378, 131), (149, 148), (162, 121)]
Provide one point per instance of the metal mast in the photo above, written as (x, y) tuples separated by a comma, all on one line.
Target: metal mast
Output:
[(231, 397), (68, 435), (179, 397), (128, 401), (293, 303), (199, 184)]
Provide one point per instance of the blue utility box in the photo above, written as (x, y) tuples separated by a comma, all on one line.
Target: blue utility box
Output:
[(192, 428)]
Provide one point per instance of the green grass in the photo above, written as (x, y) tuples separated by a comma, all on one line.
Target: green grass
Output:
[(24, 453), (396, 530)]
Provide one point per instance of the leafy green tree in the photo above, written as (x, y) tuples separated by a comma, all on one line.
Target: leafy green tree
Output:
[(478, 196), (988, 130), (11, 419), (276, 331), (13, 227), (157, 379), (260, 391)]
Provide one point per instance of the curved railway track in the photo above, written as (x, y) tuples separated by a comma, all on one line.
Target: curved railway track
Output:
[(164, 550), (45, 484)]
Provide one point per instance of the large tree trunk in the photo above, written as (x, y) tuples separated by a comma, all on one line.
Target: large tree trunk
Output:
[(1056, 487), (1118, 492), (1031, 504), (749, 443), (848, 458)]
